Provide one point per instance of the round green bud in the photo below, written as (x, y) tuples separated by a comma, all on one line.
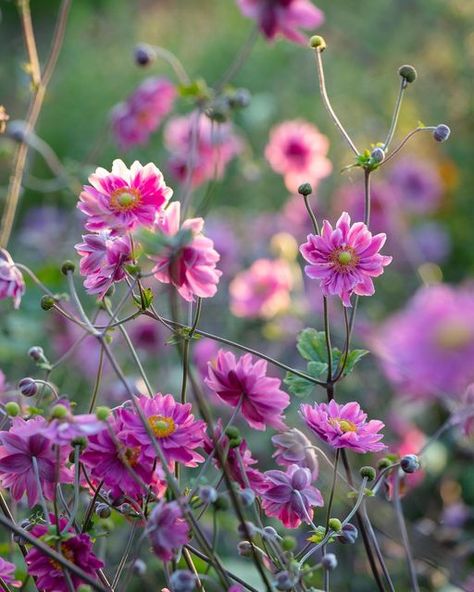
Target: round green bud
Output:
[(59, 412), (103, 510), (384, 463), (368, 472), (221, 504), (288, 543), (235, 442), (232, 432), (408, 73), (80, 441), (68, 267), (47, 302), (317, 42), (12, 408), (84, 588), (102, 413), (305, 189), (335, 524)]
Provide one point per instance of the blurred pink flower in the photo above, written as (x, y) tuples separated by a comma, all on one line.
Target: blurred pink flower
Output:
[(177, 431), (466, 413), (411, 441), (167, 529), (418, 185), (24, 441), (7, 571), (283, 17), (293, 447), (343, 426), (426, 349), (200, 149), (297, 150), (289, 496), (345, 258), (103, 257), (263, 290), (63, 431), (244, 382), (191, 266), (77, 548), (12, 284), (141, 114), (123, 198)]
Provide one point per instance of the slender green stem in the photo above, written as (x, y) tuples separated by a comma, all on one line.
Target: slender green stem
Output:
[(405, 140), (240, 58), (343, 361), (396, 113), (333, 489), (378, 551), (77, 485), (40, 489), (367, 197), (309, 209), (97, 381), (327, 334)]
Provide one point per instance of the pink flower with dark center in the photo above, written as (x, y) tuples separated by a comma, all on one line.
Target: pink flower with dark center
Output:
[(167, 529), (103, 257), (343, 426), (283, 17), (200, 149), (24, 441), (345, 259), (12, 284), (297, 151), (110, 457), (7, 571), (134, 120), (191, 266), (245, 383), (293, 447), (123, 198), (290, 497), (263, 290), (239, 460), (76, 548), (176, 430)]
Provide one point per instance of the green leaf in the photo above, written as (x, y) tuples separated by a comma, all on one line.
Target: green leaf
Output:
[(317, 369), (353, 358), (153, 243), (300, 387), (312, 345), (145, 299)]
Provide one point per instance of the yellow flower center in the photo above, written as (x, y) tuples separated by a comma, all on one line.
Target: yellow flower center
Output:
[(162, 426), (66, 552), (345, 425), (344, 259), (453, 335), (125, 199), (131, 455)]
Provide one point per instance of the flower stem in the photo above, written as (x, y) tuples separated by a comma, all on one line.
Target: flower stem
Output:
[(396, 113)]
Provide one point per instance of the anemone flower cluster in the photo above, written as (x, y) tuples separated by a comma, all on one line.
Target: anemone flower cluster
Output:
[(12, 284), (134, 120), (345, 258)]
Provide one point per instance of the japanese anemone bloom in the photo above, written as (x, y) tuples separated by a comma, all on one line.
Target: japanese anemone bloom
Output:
[(12, 284), (297, 150), (191, 265), (343, 426), (345, 258), (167, 529), (283, 17), (77, 548), (7, 570), (289, 496), (293, 447), (123, 198), (173, 425), (245, 383)]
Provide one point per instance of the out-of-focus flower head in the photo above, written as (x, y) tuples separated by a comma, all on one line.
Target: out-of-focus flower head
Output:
[(293, 447), (432, 240), (167, 529), (418, 185), (297, 150), (12, 284)]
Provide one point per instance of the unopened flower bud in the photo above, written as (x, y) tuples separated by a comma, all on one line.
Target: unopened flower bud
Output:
[(103, 510), (59, 411), (305, 189), (235, 442), (240, 99), (182, 580), (244, 548), (317, 42), (139, 567), (410, 463), (384, 463), (144, 54), (288, 543), (247, 530), (247, 497), (285, 581), (368, 472), (232, 432), (36, 353), (377, 154), (441, 133), (84, 588), (47, 302), (269, 533), (348, 534), (12, 408), (222, 503), (68, 267), (219, 111), (335, 524), (408, 73), (28, 387), (17, 130), (329, 562), (80, 441), (207, 494), (102, 413)]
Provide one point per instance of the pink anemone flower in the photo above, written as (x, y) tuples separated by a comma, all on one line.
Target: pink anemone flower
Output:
[(167, 529), (12, 284)]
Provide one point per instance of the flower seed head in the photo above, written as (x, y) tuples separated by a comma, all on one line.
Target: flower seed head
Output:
[(410, 463), (408, 73), (317, 42)]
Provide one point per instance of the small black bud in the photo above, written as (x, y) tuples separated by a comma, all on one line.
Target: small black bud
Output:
[(67, 267), (144, 55), (305, 189), (441, 133), (47, 302), (377, 154), (410, 463), (348, 534), (28, 387), (36, 353), (408, 73)]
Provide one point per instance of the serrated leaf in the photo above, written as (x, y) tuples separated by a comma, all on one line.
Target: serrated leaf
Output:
[(353, 358), (300, 387), (317, 369), (144, 299), (311, 345)]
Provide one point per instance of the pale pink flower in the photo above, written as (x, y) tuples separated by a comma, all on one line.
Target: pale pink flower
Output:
[(297, 150), (123, 198), (263, 290), (12, 284), (7, 571), (191, 266), (283, 17), (167, 529), (141, 114), (243, 382), (293, 447), (200, 149), (345, 259), (103, 257)]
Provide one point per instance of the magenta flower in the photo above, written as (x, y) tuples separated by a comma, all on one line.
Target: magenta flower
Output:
[(174, 426), (200, 149), (283, 17), (345, 258), (103, 257), (12, 284), (25, 440), (426, 349), (343, 426), (63, 431), (134, 120), (263, 290), (242, 382), (297, 151), (190, 267), (290, 497), (109, 457), (76, 548), (418, 184), (7, 571), (293, 447), (123, 198), (167, 529)]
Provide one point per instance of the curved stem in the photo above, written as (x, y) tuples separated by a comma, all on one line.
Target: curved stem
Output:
[(396, 113)]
